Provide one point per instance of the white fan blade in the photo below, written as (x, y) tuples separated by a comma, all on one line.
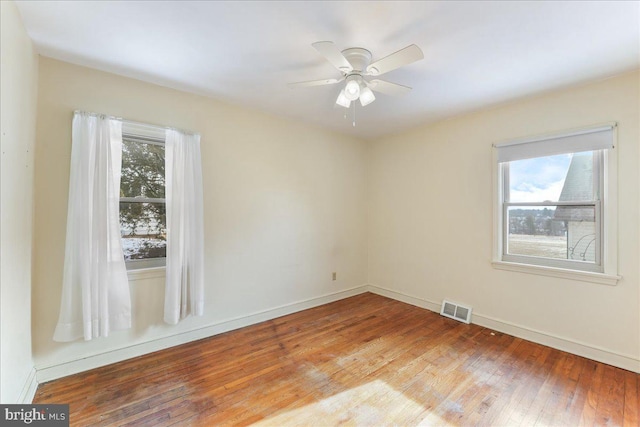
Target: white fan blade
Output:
[(333, 55), (402, 57), (388, 88), (315, 83)]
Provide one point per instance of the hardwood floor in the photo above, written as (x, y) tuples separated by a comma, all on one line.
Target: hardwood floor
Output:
[(365, 360)]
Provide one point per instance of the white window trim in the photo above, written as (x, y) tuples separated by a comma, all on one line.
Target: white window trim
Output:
[(146, 273), (146, 263), (609, 226), (563, 273)]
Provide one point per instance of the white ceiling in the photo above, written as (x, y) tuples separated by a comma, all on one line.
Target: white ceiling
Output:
[(476, 53)]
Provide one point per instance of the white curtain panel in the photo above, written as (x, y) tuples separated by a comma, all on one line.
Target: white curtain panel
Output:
[(184, 290), (95, 288)]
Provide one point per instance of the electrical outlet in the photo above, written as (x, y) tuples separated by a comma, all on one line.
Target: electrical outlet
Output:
[(334, 276)]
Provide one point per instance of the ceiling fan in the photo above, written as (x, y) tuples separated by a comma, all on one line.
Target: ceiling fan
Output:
[(355, 65)]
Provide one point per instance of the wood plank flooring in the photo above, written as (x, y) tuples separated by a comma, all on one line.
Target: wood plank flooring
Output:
[(365, 360)]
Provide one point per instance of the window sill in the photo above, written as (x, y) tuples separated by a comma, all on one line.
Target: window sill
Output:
[(146, 273), (583, 276)]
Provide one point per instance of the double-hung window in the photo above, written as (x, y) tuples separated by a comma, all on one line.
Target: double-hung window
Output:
[(142, 196), (552, 201)]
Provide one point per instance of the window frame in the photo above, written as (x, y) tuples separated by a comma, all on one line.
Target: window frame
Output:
[(596, 203), (144, 134), (604, 203)]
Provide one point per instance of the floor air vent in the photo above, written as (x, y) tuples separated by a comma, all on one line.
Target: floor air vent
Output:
[(456, 311)]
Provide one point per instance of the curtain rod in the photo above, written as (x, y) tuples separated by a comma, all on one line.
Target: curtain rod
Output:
[(133, 122)]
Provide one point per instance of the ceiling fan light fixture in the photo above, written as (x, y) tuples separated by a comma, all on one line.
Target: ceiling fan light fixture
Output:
[(355, 66), (366, 96), (342, 100), (352, 88)]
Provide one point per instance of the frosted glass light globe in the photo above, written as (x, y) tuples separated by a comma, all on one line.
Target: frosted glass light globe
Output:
[(352, 89)]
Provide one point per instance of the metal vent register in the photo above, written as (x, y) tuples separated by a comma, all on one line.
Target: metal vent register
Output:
[(456, 311)]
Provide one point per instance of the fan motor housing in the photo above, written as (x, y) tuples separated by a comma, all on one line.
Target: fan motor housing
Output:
[(358, 57)]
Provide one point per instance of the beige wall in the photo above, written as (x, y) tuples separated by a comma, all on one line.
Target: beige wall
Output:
[(18, 92), (430, 229), (286, 204), (284, 207)]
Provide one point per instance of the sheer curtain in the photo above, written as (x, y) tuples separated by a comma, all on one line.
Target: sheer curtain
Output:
[(95, 288), (184, 291)]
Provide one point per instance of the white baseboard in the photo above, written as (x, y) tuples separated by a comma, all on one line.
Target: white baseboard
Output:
[(589, 351), (598, 354), (52, 372), (29, 388), (398, 296), (47, 373)]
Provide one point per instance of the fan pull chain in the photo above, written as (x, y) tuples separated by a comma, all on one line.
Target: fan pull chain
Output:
[(354, 114)]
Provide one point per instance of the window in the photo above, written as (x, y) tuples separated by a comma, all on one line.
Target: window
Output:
[(142, 196), (552, 205)]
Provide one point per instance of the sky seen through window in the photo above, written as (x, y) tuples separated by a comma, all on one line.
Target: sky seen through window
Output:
[(539, 179)]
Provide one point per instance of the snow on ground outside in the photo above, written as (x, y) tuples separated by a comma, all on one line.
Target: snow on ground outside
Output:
[(132, 246)]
